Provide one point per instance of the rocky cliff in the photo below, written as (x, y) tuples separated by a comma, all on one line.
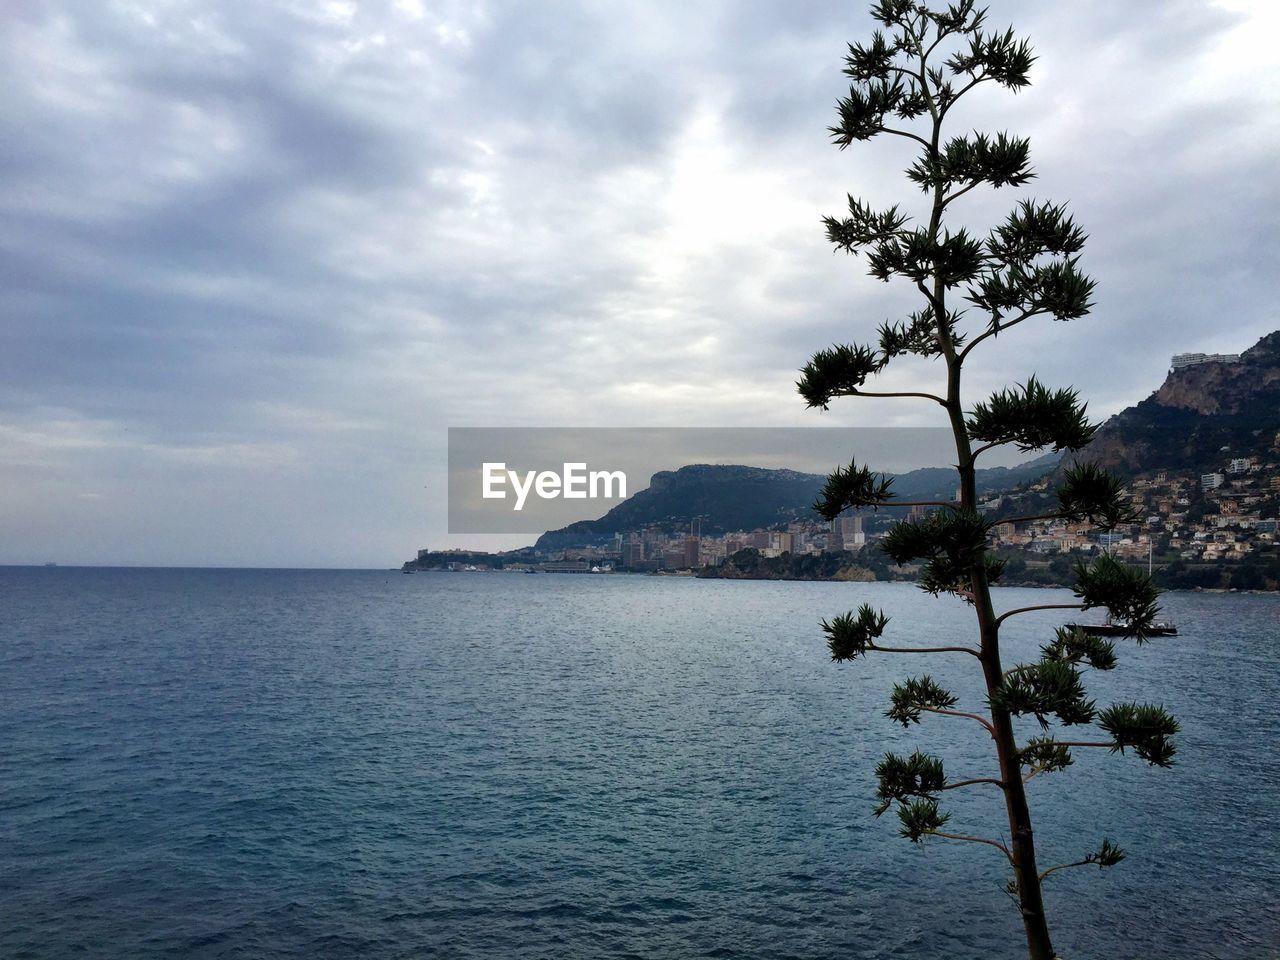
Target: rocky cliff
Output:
[(1201, 416)]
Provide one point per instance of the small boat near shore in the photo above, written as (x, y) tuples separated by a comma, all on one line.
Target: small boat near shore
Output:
[(1112, 628), (1118, 628)]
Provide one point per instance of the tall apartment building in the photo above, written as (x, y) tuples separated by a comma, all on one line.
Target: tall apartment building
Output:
[(633, 553), (850, 531), (692, 546)]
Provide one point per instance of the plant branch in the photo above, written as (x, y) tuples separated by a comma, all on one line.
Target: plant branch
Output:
[(928, 296), (969, 650), (1110, 745), (868, 393), (903, 71), (959, 193), (906, 133), (1065, 866), (943, 35), (933, 46), (1043, 606), (959, 713), (966, 783), (997, 327), (963, 90), (959, 836)]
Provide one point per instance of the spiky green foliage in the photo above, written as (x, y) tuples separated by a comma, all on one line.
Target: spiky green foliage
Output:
[(951, 544), (1088, 492), (862, 113), (852, 487), (878, 91), (863, 226), (1045, 755), (850, 635), (871, 61), (1001, 57), (1034, 230), (915, 696), (1057, 288), (1144, 727), (1002, 161), (1007, 272), (1019, 281), (837, 372), (1041, 690), (955, 258), (1107, 855), (903, 779), (918, 335), (919, 818), (1032, 417), (990, 56), (1072, 645), (1125, 592)]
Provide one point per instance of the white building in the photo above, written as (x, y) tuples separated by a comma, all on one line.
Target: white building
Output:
[(1181, 360), (1240, 465)]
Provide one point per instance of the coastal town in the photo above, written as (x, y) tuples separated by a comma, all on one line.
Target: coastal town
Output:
[(1210, 523), (1223, 519), (1223, 515)]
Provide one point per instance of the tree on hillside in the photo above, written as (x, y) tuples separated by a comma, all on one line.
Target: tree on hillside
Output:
[(905, 82)]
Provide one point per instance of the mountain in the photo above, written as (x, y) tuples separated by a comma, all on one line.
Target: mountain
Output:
[(1201, 416), (726, 497), (729, 498)]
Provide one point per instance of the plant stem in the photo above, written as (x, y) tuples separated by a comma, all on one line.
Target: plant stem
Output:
[(1022, 836)]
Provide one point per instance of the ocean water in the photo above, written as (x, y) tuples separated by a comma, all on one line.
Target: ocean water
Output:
[(217, 763)]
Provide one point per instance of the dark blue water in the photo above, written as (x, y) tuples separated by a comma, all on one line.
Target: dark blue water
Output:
[(326, 764)]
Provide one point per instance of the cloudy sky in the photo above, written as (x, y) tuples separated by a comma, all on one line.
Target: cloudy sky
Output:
[(257, 257)]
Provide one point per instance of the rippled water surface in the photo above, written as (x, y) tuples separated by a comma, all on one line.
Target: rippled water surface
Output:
[(338, 764)]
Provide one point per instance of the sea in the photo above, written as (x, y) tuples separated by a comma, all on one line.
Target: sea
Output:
[(314, 764)]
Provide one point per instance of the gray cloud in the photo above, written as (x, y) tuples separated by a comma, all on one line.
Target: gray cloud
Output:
[(256, 258)]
